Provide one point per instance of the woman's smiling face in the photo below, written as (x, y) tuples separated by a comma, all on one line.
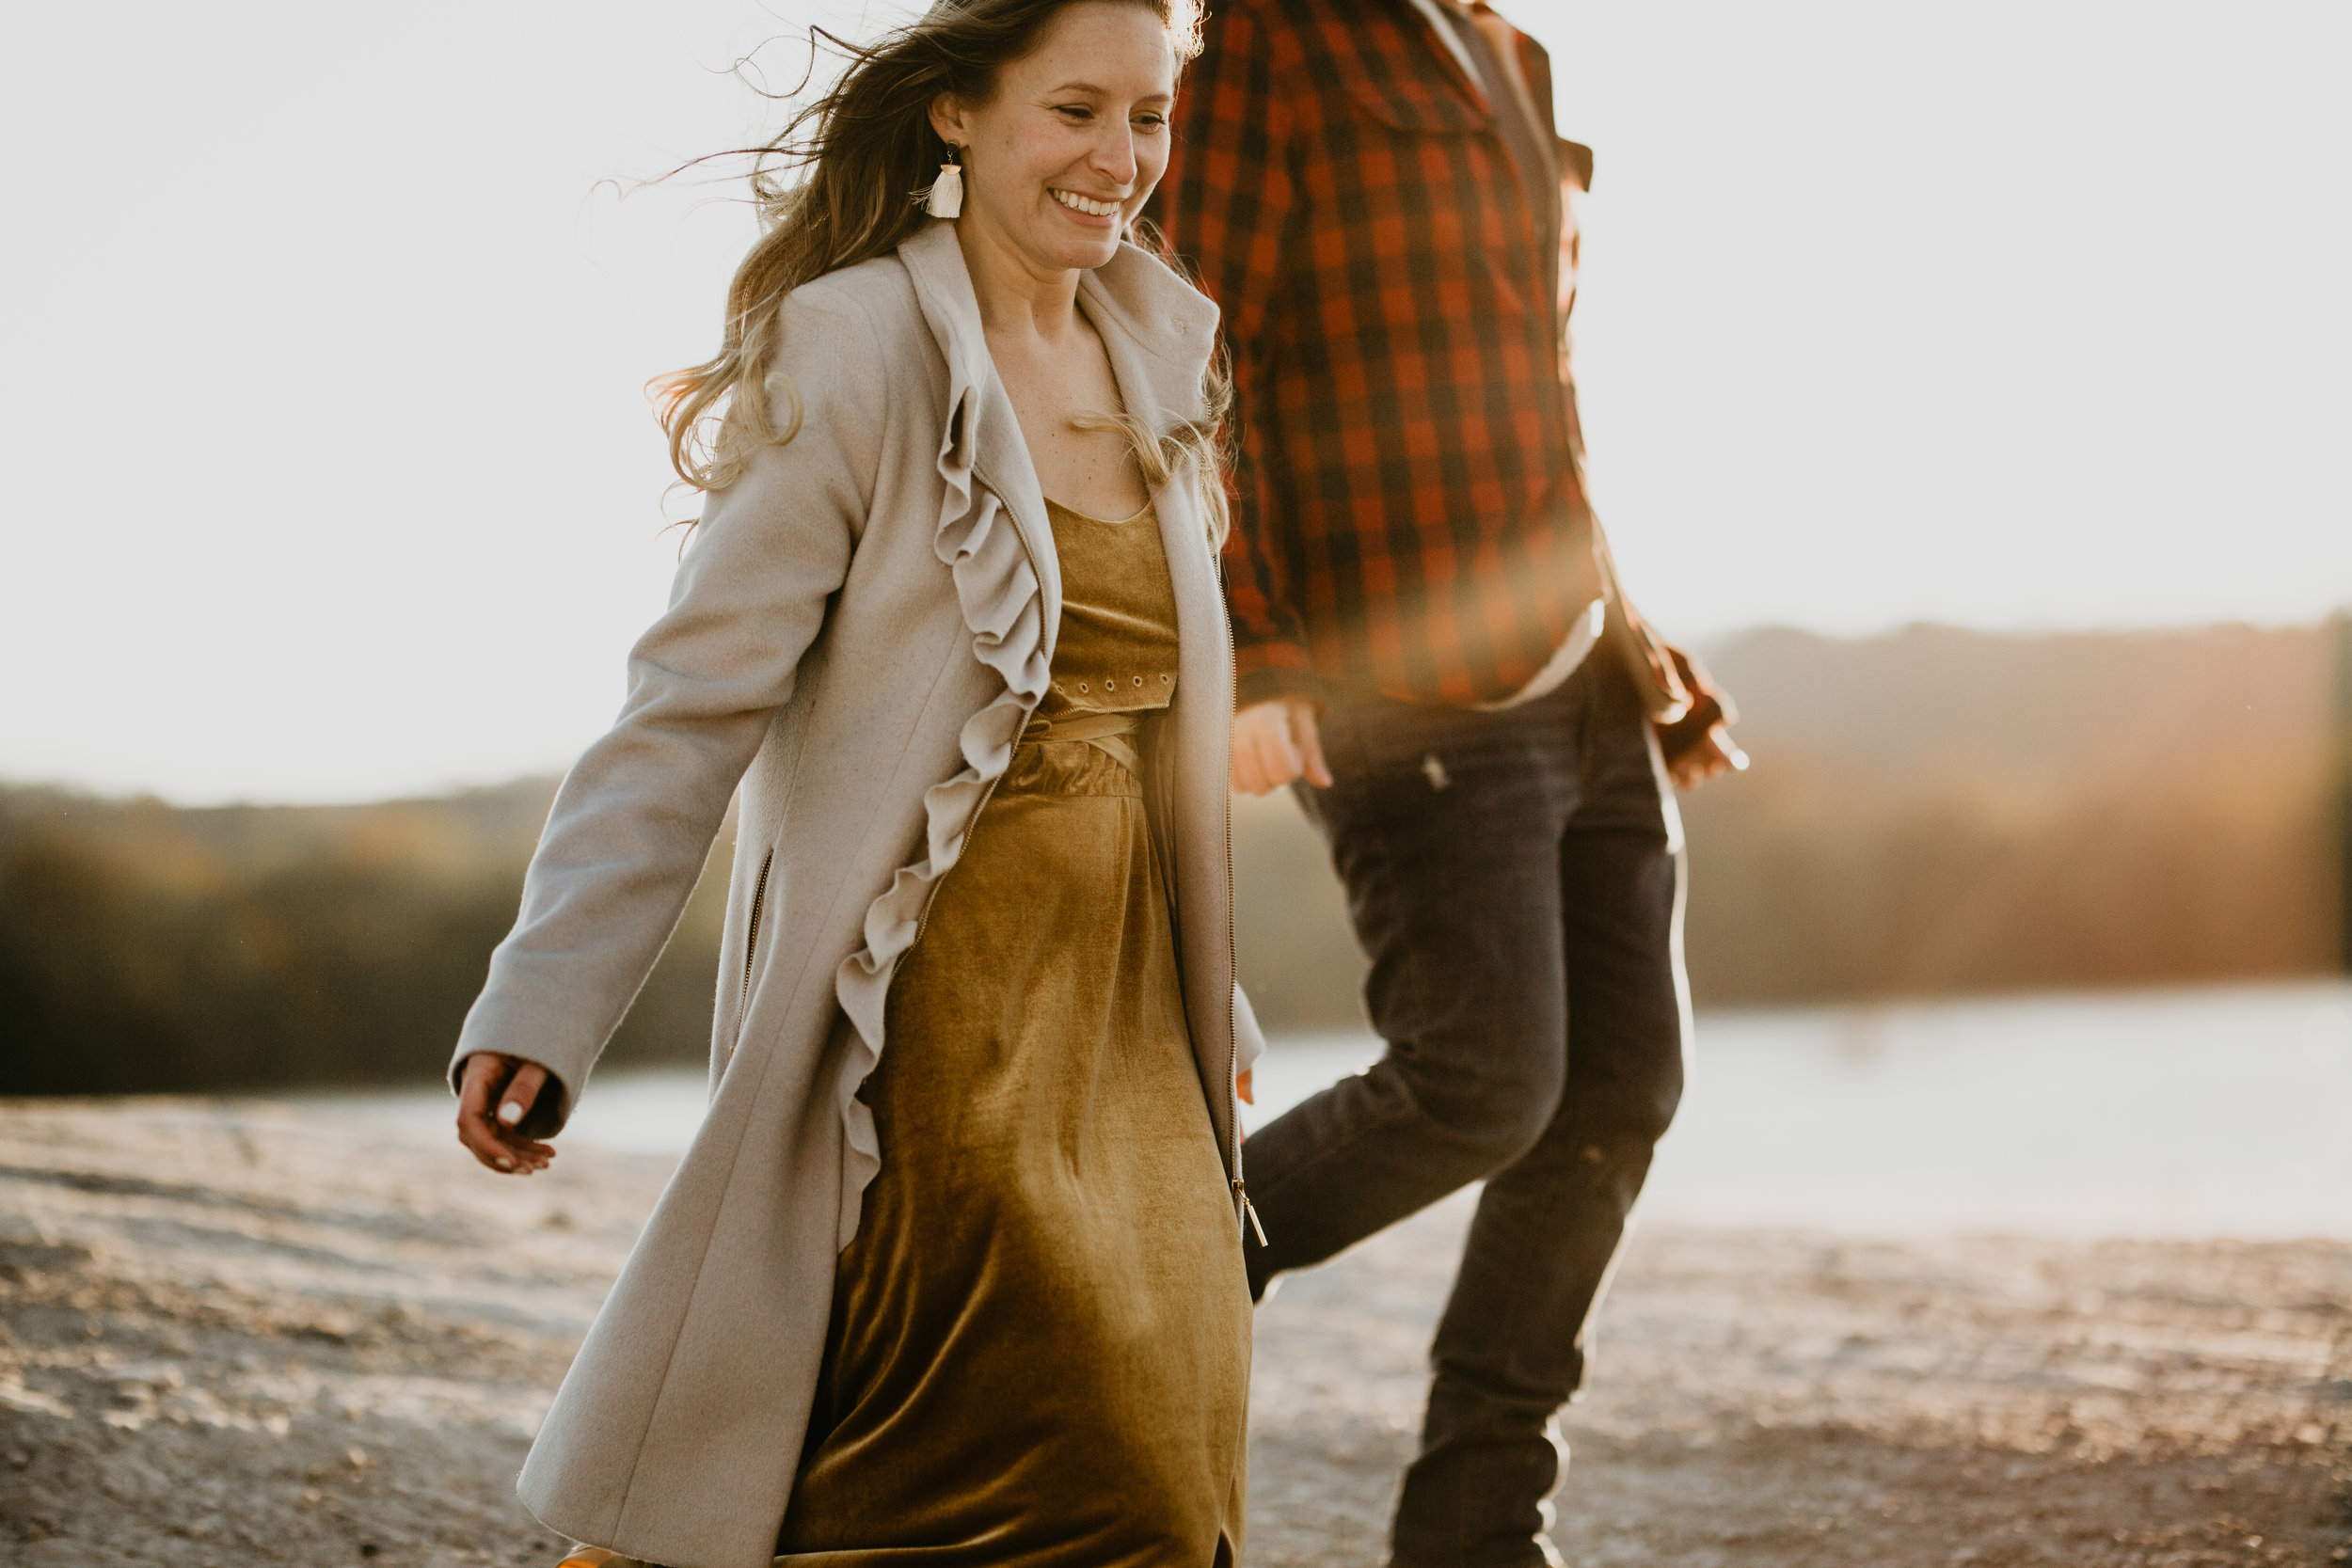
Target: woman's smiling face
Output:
[(1076, 137)]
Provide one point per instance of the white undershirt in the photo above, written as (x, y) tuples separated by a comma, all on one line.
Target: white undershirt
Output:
[(1564, 661)]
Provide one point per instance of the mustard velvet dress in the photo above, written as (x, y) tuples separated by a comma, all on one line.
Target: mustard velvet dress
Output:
[(1040, 1347)]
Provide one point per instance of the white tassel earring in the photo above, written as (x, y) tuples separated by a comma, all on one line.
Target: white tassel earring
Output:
[(946, 198)]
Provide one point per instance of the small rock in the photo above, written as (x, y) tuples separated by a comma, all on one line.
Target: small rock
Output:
[(160, 1376), (21, 1260)]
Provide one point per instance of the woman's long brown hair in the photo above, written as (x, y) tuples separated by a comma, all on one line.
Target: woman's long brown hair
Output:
[(843, 183)]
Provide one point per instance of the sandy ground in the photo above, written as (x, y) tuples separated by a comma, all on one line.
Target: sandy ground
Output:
[(237, 1333)]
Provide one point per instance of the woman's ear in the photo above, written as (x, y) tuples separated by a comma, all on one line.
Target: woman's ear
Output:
[(949, 119)]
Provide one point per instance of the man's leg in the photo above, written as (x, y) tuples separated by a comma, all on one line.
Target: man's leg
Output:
[(1445, 826), (1511, 1347)]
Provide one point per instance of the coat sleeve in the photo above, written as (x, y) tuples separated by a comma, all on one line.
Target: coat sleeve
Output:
[(1228, 207), (635, 818)]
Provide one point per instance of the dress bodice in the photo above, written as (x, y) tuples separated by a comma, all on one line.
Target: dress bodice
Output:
[(1116, 651)]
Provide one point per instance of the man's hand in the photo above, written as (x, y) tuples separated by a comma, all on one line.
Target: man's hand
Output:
[(1275, 742), (512, 1084), (1714, 753), (1698, 746)]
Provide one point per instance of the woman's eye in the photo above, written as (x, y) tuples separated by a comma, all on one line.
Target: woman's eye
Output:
[(1151, 123), (1077, 111)]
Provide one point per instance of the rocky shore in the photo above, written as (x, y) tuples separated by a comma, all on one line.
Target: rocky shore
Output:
[(255, 1332)]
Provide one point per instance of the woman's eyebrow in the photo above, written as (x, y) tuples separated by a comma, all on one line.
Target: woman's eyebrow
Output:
[(1091, 89)]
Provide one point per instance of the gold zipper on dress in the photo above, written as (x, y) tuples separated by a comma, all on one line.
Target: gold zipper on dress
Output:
[(751, 947)]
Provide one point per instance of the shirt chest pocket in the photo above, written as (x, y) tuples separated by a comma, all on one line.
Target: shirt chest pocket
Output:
[(1399, 82), (1419, 161)]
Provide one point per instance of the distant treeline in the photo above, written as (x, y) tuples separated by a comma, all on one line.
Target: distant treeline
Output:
[(144, 948), (1931, 812)]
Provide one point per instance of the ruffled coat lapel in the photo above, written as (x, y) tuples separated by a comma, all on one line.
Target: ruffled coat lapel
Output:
[(981, 435), (1127, 299)]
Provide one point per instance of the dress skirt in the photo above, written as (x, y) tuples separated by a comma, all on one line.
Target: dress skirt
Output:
[(1039, 1344)]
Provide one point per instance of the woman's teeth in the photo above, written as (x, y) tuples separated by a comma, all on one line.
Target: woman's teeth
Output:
[(1080, 204)]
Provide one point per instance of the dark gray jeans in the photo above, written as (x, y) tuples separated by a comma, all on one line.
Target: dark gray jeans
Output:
[(1516, 880)]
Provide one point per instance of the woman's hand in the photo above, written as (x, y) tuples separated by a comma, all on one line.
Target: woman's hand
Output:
[(1275, 742), (512, 1084)]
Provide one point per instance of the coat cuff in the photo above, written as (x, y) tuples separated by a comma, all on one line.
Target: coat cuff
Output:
[(489, 1026)]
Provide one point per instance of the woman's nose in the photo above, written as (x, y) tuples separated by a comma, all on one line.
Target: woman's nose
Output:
[(1114, 156)]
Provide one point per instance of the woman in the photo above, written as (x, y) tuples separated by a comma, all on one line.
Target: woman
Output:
[(952, 1269)]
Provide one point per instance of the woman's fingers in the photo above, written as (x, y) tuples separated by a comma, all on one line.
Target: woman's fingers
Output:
[(474, 1127), (487, 1079), (477, 1082), (522, 1092)]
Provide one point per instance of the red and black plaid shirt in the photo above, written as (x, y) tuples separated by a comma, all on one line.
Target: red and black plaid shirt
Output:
[(1408, 518)]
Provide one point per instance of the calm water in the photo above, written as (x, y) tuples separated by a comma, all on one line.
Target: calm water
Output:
[(2223, 1112)]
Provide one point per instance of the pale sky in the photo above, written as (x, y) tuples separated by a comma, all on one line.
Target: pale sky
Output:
[(325, 470)]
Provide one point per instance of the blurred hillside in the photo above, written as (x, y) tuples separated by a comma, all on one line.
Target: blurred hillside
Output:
[(1932, 811), (1940, 811)]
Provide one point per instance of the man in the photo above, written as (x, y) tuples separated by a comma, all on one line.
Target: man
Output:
[(1432, 651)]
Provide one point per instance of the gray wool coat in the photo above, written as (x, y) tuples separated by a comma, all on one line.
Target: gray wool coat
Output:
[(859, 629)]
